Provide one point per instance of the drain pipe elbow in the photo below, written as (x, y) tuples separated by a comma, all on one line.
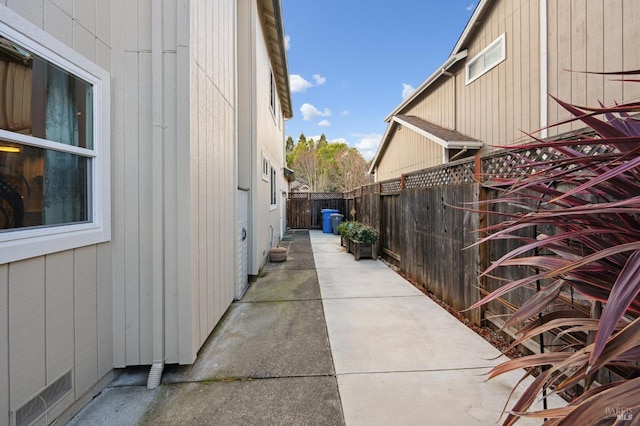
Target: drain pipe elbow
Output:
[(459, 154), (155, 374)]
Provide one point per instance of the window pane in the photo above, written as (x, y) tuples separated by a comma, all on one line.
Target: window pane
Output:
[(40, 99), (493, 55), (40, 187), (476, 67)]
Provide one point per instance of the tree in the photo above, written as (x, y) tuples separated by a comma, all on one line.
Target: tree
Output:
[(289, 145), (328, 166)]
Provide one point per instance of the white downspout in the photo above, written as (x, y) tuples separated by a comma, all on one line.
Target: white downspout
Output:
[(459, 153), (544, 70), (157, 211)]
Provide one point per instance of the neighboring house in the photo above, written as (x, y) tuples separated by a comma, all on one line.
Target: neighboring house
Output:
[(495, 84), (140, 143)]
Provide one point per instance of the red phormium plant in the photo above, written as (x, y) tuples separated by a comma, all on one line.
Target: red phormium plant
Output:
[(592, 200)]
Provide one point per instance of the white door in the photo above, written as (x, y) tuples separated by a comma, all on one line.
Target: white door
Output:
[(242, 234)]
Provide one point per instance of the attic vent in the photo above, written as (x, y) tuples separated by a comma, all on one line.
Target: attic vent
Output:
[(40, 404)]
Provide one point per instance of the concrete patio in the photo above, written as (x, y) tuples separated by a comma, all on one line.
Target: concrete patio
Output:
[(322, 340)]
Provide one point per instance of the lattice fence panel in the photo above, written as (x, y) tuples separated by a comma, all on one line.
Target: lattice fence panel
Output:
[(298, 195), (514, 164), (388, 186), (457, 174), (316, 195), (370, 189)]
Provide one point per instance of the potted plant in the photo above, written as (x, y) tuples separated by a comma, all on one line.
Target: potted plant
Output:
[(358, 238), (343, 230)]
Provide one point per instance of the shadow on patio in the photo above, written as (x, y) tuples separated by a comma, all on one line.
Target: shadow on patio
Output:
[(322, 340)]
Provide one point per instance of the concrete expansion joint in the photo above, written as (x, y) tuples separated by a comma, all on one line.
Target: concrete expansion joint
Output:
[(248, 379), (319, 299), (411, 296), (484, 369)]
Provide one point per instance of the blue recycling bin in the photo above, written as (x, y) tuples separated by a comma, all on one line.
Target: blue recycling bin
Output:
[(326, 220)]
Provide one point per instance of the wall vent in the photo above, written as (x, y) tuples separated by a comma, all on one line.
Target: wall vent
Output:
[(39, 406)]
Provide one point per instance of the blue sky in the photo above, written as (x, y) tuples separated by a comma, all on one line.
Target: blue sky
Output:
[(352, 61)]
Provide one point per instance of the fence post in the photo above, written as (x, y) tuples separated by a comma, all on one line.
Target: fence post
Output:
[(477, 169), (483, 249), (401, 182)]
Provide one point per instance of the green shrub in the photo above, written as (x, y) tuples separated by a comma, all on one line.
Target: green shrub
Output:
[(357, 231)]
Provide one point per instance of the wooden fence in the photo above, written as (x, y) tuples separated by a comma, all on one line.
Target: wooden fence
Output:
[(422, 232), (426, 231), (304, 209)]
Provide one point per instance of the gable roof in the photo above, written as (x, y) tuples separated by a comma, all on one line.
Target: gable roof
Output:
[(442, 136), (271, 12), (458, 53), (447, 138)]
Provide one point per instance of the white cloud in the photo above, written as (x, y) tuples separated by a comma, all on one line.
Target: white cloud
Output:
[(368, 144), (287, 42), (319, 79), (298, 84), (345, 112), (310, 113), (407, 90), (471, 7), (324, 123)]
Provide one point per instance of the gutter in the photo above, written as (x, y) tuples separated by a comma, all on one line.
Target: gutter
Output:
[(157, 197), (443, 70)]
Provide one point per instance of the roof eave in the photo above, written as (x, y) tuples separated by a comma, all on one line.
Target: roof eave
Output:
[(381, 147), (442, 70), (455, 53), (471, 25), (272, 9), (448, 144)]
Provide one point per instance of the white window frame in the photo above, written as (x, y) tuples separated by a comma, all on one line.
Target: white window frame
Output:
[(480, 56), (273, 188), (272, 93), (265, 168), (25, 243)]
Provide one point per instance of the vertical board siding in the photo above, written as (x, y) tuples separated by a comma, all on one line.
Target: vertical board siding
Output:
[(130, 211), (86, 320), (505, 102), (145, 196), (60, 336), (27, 334), (502, 105), (104, 309), (173, 212), (55, 313), (198, 153), (4, 346), (118, 97), (612, 58), (407, 152), (212, 151), (592, 36)]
